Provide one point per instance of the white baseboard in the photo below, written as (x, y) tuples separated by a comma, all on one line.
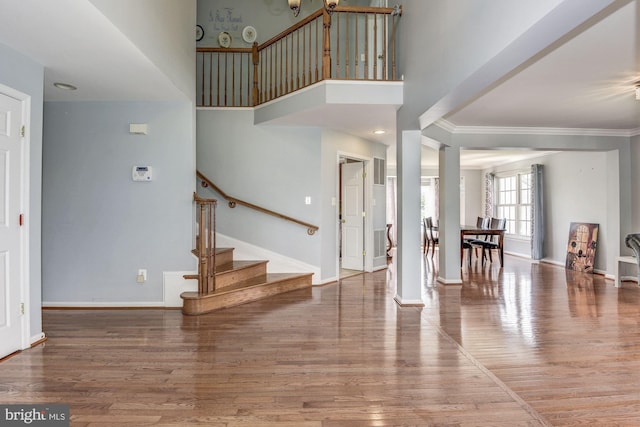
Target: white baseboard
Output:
[(325, 281), (595, 271), (408, 302), (101, 304), (174, 283), (550, 261), (449, 281), (518, 254), (37, 337)]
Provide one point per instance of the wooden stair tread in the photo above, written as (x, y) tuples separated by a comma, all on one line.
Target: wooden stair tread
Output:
[(230, 266), (236, 282), (238, 265), (249, 283), (246, 291), (219, 251)]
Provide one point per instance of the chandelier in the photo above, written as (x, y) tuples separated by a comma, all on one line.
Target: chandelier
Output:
[(329, 5)]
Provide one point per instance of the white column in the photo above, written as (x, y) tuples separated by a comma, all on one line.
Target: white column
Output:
[(449, 226), (408, 276)]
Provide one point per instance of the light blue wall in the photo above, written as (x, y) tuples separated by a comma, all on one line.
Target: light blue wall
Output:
[(268, 17), (24, 75), (272, 167), (100, 227), (276, 168)]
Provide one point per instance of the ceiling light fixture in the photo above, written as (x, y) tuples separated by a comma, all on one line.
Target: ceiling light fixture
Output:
[(294, 5), (379, 132), (329, 5), (64, 86), (638, 92)]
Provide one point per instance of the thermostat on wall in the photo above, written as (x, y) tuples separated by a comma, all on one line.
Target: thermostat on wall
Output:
[(142, 173)]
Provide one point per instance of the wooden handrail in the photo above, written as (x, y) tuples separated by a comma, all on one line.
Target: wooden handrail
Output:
[(301, 56), (291, 29), (206, 182)]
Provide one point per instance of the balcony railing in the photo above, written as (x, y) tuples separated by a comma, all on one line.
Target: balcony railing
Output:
[(354, 43)]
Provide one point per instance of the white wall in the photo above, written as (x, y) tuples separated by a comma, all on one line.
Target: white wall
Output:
[(335, 144), (100, 227), (474, 190), (24, 75), (635, 184), (163, 31), (576, 190), (473, 182), (482, 30)]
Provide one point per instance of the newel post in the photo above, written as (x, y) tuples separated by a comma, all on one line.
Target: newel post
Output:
[(326, 45), (256, 60)]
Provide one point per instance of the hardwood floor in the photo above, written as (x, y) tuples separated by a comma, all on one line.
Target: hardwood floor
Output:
[(527, 345)]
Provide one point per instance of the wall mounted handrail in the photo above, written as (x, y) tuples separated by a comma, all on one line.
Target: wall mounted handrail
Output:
[(233, 201)]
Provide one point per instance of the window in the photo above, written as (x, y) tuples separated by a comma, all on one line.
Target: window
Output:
[(428, 198), (514, 203)]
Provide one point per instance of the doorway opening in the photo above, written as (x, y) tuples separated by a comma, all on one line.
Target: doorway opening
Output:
[(351, 216)]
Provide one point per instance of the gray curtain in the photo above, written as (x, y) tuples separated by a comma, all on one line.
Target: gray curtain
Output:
[(537, 215), (436, 190), (489, 182)]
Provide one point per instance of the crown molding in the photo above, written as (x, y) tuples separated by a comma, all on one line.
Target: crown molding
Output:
[(505, 130)]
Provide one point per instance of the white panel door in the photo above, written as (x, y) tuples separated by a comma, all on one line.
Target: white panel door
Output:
[(352, 216), (10, 243)]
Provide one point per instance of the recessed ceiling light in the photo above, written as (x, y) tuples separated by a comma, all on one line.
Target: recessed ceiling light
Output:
[(379, 132), (64, 86)]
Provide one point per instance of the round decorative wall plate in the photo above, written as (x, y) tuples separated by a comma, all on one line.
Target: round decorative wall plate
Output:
[(249, 34), (199, 33), (224, 39)]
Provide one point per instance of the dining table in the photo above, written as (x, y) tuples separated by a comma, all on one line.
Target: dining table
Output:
[(472, 230)]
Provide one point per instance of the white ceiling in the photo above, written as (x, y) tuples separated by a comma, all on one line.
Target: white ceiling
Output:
[(584, 83), (77, 44)]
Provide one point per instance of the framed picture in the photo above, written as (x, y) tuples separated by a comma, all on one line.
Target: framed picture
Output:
[(581, 249), (224, 39)]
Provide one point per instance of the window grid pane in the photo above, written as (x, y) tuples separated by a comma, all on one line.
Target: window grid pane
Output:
[(513, 203)]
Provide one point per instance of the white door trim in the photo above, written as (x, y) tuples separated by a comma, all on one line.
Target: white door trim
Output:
[(368, 209), (25, 183)]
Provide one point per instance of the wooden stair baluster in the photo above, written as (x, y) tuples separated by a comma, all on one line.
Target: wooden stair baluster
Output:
[(223, 282)]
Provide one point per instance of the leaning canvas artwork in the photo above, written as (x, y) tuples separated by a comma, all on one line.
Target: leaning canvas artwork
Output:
[(581, 250)]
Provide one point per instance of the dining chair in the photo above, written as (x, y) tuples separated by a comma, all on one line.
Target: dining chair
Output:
[(425, 237), (471, 242), (633, 242), (432, 235), (493, 243)]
